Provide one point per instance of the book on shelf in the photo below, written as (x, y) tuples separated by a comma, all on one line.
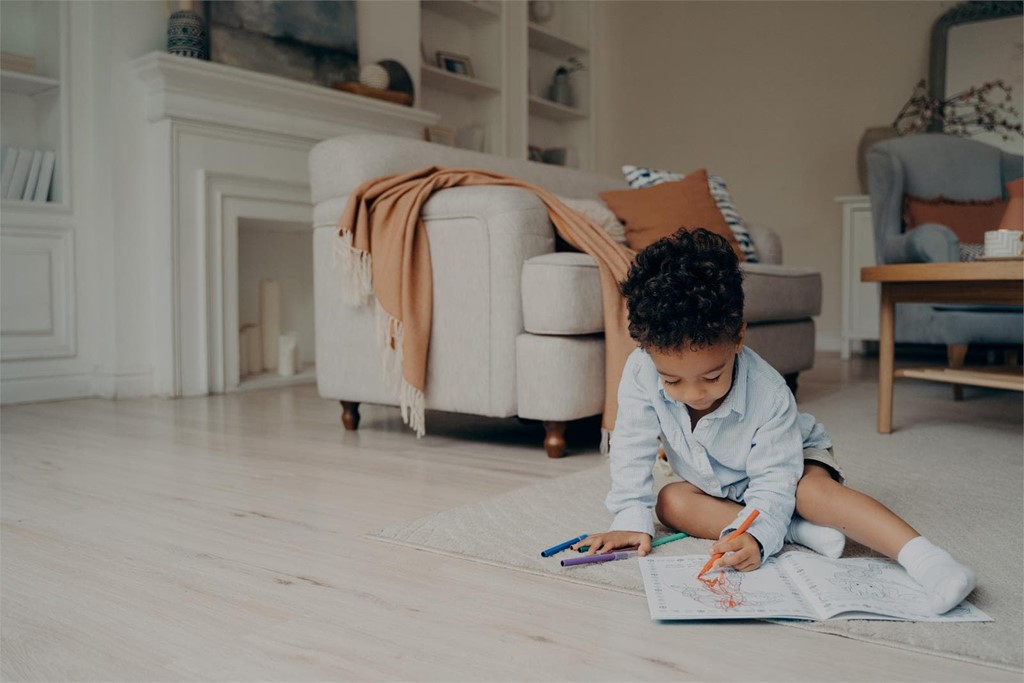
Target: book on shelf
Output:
[(33, 175), (42, 193), (19, 177), (10, 156), (794, 585)]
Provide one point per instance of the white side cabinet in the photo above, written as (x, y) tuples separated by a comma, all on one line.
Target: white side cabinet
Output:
[(860, 299)]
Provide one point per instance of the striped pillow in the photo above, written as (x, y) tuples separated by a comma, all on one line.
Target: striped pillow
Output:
[(638, 177)]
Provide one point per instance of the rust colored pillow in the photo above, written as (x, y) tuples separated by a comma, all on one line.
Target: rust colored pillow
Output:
[(968, 220), (654, 212), (1013, 219)]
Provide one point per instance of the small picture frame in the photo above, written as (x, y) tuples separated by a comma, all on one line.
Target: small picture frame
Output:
[(455, 63), (442, 135)]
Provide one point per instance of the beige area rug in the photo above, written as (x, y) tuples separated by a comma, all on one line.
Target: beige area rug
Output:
[(953, 470)]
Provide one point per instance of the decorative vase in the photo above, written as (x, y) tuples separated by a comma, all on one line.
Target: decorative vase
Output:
[(186, 35), (870, 137), (561, 89)]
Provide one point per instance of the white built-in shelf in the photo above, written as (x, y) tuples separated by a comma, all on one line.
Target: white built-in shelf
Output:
[(471, 12), (454, 83), (270, 379), (26, 84), (546, 40), (554, 111)]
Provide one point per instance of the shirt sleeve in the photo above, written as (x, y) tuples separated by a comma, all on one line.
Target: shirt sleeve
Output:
[(774, 467), (634, 448)]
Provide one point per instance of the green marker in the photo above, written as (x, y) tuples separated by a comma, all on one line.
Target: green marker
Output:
[(654, 544), (669, 539)]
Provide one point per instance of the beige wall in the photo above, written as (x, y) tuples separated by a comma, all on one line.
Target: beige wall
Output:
[(772, 96)]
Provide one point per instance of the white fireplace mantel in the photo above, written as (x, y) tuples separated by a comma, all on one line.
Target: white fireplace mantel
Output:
[(195, 90), (224, 145)]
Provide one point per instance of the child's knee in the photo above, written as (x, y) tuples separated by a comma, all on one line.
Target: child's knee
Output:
[(815, 487), (671, 503)]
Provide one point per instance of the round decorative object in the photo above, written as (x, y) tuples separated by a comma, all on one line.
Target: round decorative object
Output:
[(374, 76), (186, 35), (399, 79), (541, 11)]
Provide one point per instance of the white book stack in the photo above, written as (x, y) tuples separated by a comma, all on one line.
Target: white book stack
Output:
[(27, 174)]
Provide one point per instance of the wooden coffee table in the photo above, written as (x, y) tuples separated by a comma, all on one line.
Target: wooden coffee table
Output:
[(974, 282)]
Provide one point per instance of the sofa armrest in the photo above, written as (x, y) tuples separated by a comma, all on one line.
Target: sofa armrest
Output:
[(927, 243), (479, 239), (767, 243)]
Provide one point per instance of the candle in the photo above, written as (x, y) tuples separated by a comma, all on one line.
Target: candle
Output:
[(270, 321), (288, 354)]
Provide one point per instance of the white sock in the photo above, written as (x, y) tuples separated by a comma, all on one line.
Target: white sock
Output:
[(821, 539), (946, 581)]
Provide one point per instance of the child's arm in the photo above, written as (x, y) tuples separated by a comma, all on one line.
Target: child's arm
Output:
[(774, 466), (634, 448)]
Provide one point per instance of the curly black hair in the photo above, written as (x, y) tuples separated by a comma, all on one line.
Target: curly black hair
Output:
[(685, 289)]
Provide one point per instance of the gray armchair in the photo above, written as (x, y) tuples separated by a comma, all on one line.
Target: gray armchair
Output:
[(960, 169)]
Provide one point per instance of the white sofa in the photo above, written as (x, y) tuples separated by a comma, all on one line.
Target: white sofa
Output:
[(517, 327)]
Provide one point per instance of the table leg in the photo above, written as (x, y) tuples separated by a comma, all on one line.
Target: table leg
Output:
[(886, 362)]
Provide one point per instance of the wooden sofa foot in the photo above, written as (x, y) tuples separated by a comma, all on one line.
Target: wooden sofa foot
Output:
[(350, 415), (554, 439), (791, 381)]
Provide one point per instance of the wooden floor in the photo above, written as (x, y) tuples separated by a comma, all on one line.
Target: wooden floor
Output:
[(221, 538)]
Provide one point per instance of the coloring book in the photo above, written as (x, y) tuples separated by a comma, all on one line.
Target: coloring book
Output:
[(794, 585)]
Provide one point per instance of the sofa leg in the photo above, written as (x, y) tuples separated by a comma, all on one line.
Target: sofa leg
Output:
[(956, 354), (554, 439), (350, 415), (791, 381)]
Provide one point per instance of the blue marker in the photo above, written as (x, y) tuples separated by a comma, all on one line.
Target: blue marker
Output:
[(561, 546)]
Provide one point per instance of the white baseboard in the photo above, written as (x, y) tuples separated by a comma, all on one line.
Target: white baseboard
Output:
[(32, 389), (65, 387)]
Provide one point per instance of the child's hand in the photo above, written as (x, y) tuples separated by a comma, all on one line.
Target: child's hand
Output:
[(613, 540), (742, 553)]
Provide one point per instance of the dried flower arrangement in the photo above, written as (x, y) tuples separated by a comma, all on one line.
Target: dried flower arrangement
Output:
[(573, 66), (984, 108)]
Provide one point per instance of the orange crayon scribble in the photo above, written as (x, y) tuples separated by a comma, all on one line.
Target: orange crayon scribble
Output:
[(729, 595)]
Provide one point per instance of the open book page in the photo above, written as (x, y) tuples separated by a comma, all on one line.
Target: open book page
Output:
[(675, 592), (795, 585), (865, 588)]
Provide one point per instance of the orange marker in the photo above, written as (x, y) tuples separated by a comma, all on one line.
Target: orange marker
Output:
[(739, 532)]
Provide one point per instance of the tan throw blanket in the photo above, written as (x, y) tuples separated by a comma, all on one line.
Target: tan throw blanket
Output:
[(382, 220)]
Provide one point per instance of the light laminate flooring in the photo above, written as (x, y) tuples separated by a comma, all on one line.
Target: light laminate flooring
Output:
[(221, 538)]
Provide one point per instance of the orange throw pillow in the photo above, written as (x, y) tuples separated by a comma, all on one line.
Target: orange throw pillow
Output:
[(651, 213), (968, 220), (1013, 219)]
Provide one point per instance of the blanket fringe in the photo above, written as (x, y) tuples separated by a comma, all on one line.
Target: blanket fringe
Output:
[(606, 441), (411, 400), (356, 271), (413, 407)]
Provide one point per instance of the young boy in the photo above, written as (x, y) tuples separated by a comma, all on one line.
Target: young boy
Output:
[(732, 432)]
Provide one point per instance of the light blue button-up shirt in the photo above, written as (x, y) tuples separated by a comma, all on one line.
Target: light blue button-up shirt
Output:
[(749, 449)]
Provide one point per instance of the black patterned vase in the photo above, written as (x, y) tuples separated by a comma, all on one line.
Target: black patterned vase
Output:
[(186, 35)]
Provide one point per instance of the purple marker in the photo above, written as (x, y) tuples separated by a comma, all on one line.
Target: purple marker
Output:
[(587, 559)]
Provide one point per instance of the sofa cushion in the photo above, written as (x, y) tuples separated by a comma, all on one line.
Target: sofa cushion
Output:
[(638, 176), (652, 213), (969, 220), (773, 292), (562, 294)]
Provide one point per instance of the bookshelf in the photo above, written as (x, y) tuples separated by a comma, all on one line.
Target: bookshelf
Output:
[(34, 112), (513, 60)]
